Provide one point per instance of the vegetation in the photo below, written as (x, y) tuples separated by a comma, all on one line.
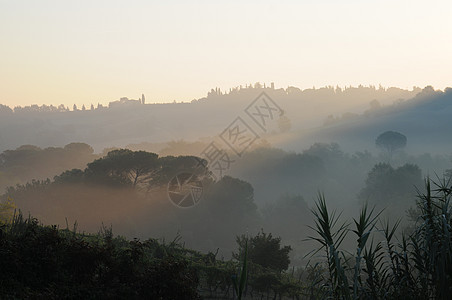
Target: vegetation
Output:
[(264, 250), (40, 261), (128, 188), (122, 124), (110, 191), (390, 141), (239, 285), (44, 262), (127, 168), (29, 162), (47, 262), (6, 210), (416, 265), (385, 184)]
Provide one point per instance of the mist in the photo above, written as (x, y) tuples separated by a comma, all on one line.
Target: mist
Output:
[(282, 175), (225, 150)]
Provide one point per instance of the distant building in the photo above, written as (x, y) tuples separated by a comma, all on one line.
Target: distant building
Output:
[(124, 102), (142, 98)]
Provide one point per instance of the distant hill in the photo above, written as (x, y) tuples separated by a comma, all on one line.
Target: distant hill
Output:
[(134, 122), (426, 120)]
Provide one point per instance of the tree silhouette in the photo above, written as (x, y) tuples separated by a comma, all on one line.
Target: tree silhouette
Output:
[(390, 141), (264, 250), (125, 167), (384, 184), (232, 197), (81, 148)]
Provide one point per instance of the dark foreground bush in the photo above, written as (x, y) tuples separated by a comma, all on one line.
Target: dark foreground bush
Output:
[(43, 262)]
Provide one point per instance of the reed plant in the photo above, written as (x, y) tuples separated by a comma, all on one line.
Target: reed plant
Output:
[(387, 263)]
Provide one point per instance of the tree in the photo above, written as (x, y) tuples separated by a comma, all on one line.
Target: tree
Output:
[(174, 165), (81, 148), (391, 141), (30, 162), (384, 184), (5, 109), (264, 250), (142, 164), (24, 155), (231, 197), (125, 166), (230, 208), (70, 176), (328, 152)]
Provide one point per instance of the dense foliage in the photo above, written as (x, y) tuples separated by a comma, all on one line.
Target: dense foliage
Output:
[(29, 162), (46, 262), (40, 261), (391, 141), (43, 262), (128, 188), (385, 184)]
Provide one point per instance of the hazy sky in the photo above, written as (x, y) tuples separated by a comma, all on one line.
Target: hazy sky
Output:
[(91, 51)]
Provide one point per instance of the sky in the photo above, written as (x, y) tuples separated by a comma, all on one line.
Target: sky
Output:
[(88, 51)]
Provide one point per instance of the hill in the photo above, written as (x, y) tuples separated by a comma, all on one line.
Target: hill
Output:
[(424, 119), (123, 124)]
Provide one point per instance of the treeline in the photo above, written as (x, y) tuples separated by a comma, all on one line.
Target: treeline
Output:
[(240, 91), (326, 166), (351, 178), (29, 162), (130, 190)]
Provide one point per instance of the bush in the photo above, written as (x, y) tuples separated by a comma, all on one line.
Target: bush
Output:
[(46, 262)]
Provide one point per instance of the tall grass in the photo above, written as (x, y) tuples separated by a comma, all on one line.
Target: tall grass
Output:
[(387, 265), (239, 285), (330, 240)]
